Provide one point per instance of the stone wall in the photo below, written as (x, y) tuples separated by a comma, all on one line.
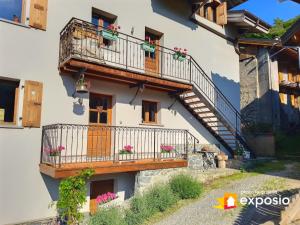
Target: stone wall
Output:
[(148, 178)]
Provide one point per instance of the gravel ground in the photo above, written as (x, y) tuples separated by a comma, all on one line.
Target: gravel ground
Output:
[(202, 212)]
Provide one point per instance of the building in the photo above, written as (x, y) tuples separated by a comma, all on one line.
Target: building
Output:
[(270, 81), (141, 97)]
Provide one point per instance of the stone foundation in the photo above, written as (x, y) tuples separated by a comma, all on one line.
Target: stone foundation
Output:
[(149, 178)]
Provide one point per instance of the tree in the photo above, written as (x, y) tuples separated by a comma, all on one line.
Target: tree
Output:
[(276, 31)]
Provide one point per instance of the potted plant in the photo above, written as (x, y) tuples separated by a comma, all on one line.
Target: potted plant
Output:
[(111, 32), (106, 200), (127, 149), (166, 149), (54, 153), (180, 54), (148, 45), (238, 153)]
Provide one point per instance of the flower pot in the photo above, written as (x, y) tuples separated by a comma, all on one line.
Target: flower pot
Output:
[(54, 159), (179, 57), (109, 35), (221, 164), (112, 203), (147, 47)]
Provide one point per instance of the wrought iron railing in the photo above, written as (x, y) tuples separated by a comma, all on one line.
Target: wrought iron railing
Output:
[(71, 143), (83, 40)]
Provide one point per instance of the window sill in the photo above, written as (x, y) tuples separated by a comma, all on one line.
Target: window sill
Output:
[(10, 126), (152, 124), (14, 23)]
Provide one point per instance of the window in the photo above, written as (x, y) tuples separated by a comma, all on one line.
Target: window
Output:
[(8, 101), (149, 112), (28, 12), (100, 109), (12, 10), (101, 20), (214, 11)]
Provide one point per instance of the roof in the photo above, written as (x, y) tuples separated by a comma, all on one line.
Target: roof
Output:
[(292, 35), (259, 42), (234, 3), (230, 3), (248, 21)]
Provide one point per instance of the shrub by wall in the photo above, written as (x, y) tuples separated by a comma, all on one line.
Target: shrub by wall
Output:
[(108, 216), (185, 186)]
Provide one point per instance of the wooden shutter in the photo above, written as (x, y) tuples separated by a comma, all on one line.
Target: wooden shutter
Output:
[(32, 104), (293, 100), (222, 14), (38, 14), (201, 11)]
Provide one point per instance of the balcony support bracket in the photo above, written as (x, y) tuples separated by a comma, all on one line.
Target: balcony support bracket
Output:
[(140, 88)]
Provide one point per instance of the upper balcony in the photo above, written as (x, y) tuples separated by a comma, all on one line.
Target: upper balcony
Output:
[(84, 46)]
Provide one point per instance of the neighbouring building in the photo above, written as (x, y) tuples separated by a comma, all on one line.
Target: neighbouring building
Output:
[(74, 94), (270, 76)]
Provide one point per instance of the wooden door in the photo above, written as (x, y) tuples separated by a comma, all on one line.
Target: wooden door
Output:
[(152, 59), (98, 188), (100, 116)]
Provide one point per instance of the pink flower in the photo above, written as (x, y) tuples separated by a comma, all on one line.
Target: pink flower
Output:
[(104, 198), (166, 148)]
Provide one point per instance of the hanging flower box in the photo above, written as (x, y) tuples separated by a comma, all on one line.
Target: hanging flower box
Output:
[(166, 149), (111, 33), (107, 200), (180, 54), (127, 149), (148, 45)]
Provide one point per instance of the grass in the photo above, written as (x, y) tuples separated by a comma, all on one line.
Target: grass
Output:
[(287, 146), (267, 167)]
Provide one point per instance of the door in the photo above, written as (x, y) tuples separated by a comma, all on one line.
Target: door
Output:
[(152, 59), (100, 116), (98, 188)]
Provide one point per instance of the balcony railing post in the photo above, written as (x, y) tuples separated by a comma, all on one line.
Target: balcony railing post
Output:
[(126, 52), (154, 145), (42, 145), (60, 144), (186, 144), (190, 62), (114, 145)]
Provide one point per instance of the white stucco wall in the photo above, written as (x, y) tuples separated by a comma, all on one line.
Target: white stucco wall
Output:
[(29, 54)]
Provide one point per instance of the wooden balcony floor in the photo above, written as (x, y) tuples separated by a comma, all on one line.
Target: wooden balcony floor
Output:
[(110, 167), (104, 72)]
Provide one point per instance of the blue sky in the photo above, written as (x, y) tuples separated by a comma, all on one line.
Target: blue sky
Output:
[(268, 10)]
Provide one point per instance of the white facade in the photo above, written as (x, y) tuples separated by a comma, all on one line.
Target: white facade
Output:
[(30, 54)]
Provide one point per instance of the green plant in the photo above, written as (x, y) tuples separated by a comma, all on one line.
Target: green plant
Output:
[(72, 196), (185, 186), (161, 197), (139, 211), (108, 216)]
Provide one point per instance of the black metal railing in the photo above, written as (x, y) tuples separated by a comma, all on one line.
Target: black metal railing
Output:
[(73, 143), (83, 40)]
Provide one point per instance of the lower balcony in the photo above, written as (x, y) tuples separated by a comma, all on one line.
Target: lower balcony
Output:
[(66, 149)]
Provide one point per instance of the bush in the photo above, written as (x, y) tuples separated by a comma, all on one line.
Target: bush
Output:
[(108, 216), (161, 198), (185, 186), (157, 199), (139, 211)]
